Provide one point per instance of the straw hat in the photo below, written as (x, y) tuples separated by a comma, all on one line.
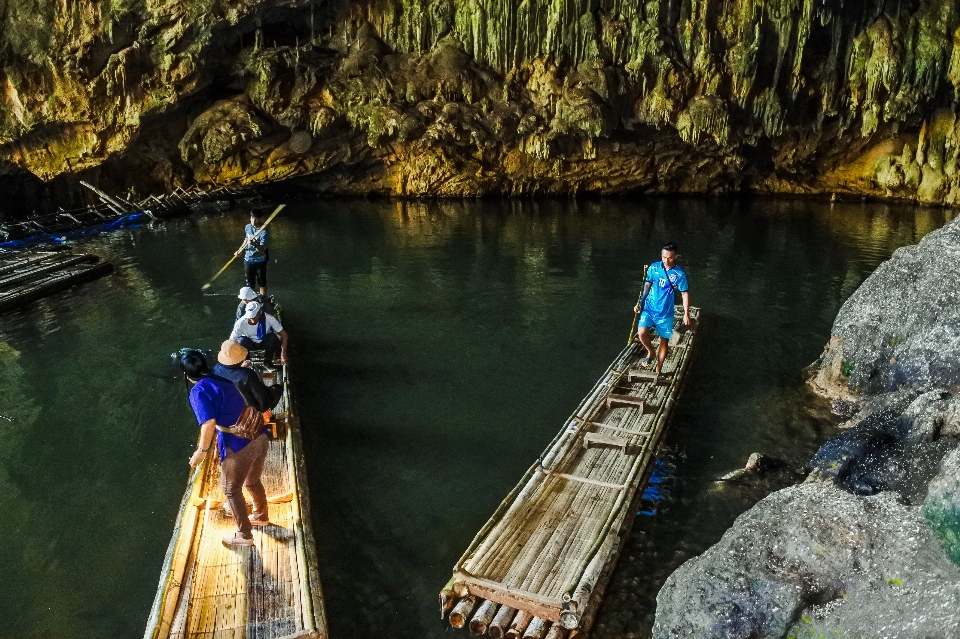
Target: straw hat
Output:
[(231, 353)]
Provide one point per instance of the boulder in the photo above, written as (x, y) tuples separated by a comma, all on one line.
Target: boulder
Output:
[(814, 560), (901, 328)]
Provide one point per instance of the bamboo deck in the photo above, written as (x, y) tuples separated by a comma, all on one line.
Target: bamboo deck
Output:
[(540, 565), (268, 591), (26, 276)]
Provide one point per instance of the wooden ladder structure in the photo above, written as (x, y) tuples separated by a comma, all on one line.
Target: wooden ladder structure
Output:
[(539, 567)]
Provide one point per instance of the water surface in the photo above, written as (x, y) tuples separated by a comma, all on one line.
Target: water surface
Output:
[(436, 348)]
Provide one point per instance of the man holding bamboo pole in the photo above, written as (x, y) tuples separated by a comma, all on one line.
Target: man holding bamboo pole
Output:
[(664, 278), (256, 255)]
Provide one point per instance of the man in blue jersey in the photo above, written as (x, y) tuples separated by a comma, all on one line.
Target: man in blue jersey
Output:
[(664, 278)]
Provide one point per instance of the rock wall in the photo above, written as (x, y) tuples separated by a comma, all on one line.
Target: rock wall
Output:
[(462, 97)]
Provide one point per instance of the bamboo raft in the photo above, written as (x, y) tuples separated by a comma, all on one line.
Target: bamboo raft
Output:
[(26, 276), (539, 567), (111, 212), (268, 591)]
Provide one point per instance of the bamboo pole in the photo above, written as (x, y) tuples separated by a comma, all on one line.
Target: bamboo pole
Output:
[(556, 632), (461, 612), (636, 314), (178, 552), (536, 629), (501, 622), (42, 269), (303, 497), (519, 625), (447, 597), (482, 617)]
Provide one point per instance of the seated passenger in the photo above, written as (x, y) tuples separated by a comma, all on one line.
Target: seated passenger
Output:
[(258, 331), (230, 365), (248, 295)]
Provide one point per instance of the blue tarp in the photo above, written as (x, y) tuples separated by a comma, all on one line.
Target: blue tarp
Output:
[(134, 219)]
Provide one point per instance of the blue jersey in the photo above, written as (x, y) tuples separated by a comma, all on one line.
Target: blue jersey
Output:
[(663, 283), (257, 249)]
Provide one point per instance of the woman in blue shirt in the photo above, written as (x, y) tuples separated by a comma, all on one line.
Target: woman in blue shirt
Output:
[(216, 401)]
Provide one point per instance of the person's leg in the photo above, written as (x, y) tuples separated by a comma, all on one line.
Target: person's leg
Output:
[(271, 347), (251, 345), (250, 273), (664, 332), (252, 482), (644, 334), (662, 353), (234, 469), (262, 277)]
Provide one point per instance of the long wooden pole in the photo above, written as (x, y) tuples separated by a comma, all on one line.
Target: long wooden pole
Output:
[(242, 246), (636, 313)]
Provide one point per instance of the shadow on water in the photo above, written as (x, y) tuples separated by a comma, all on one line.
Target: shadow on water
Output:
[(437, 347)]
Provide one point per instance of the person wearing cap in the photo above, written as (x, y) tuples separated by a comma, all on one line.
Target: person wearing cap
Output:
[(656, 306), (255, 255), (248, 295), (217, 402), (232, 364), (259, 331)]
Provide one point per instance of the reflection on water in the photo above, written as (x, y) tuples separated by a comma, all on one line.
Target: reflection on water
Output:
[(437, 348)]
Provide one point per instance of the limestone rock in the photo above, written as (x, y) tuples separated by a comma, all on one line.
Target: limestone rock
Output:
[(838, 97), (555, 97), (902, 326), (813, 560)]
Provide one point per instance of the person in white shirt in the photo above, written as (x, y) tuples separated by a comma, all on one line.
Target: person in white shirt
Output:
[(259, 331)]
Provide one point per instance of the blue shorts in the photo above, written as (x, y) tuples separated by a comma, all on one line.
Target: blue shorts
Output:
[(663, 325)]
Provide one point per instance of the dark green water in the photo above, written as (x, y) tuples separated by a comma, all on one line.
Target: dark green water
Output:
[(437, 348)]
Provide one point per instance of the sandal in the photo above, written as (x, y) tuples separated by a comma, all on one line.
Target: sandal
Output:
[(645, 361)]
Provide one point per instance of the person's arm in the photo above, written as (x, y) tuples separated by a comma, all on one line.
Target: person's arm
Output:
[(235, 333), (255, 392), (686, 307), (643, 298), (208, 430), (283, 347)]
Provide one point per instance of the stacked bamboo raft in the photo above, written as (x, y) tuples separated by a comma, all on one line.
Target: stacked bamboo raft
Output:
[(111, 211), (268, 591), (539, 567), (29, 275)]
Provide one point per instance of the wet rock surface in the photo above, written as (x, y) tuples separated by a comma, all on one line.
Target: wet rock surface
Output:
[(815, 559), (869, 544), (463, 98), (901, 327)]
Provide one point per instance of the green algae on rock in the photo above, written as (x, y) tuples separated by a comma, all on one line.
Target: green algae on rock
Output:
[(499, 97)]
